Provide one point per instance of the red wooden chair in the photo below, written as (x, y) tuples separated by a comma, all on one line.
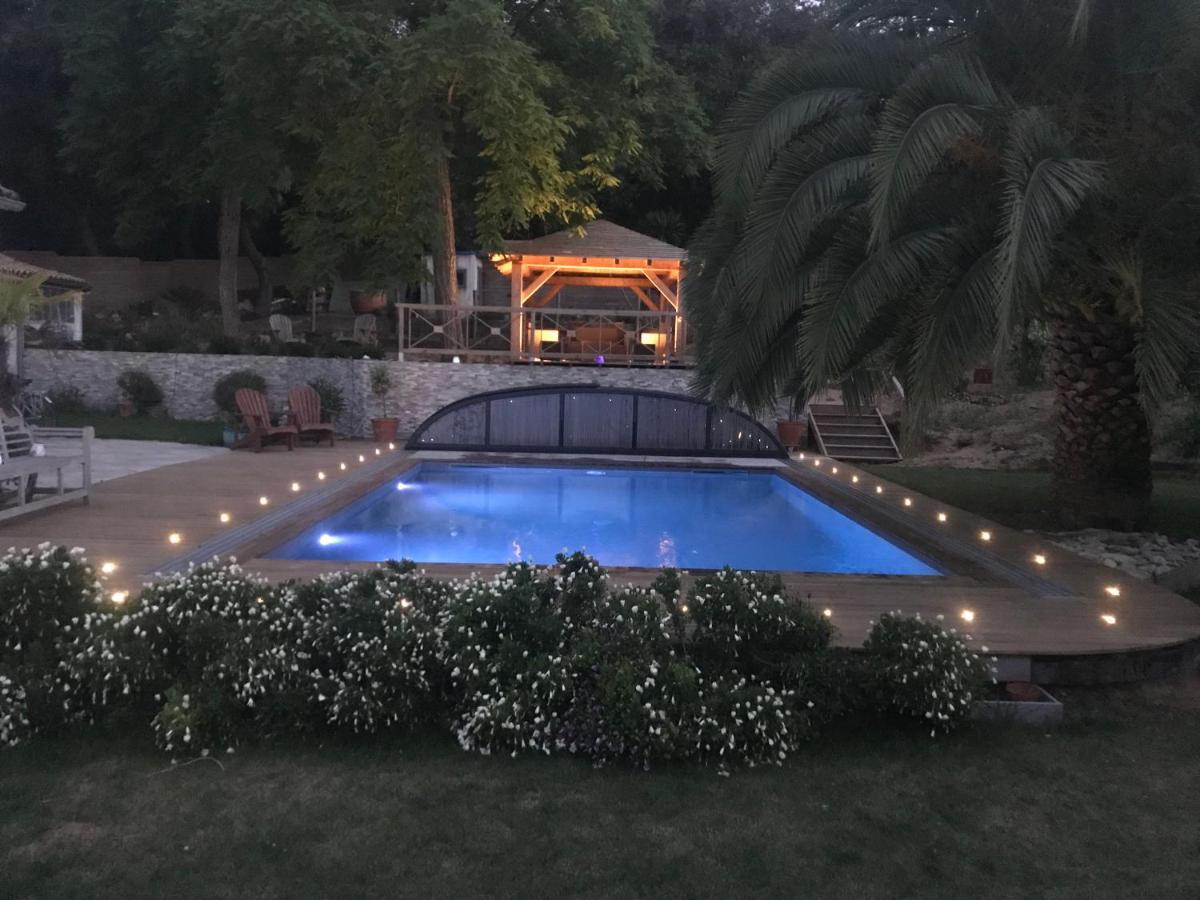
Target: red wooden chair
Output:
[(305, 406), (252, 406)]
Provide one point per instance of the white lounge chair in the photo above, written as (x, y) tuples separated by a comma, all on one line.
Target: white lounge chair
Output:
[(281, 327), (20, 467)]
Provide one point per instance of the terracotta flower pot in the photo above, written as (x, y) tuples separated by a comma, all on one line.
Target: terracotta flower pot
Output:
[(385, 429), (791, 433), (125, 408), (365, 302)]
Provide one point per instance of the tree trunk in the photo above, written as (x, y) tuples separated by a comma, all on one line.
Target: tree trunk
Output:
[(227, 247), (1101, 466), (87, 235), (266, 290), (445, 256)]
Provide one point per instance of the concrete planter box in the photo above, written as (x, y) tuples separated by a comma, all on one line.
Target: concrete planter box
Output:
[(1040, 709)]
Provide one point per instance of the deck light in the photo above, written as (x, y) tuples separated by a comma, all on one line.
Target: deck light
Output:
[(456, 360), (225, 518), (108, 568), (827, 613), (879, 489), (985, 535), (264, 500), (119, 597), (295, 486), (320, 476), (967, 615), (942, 517), (908, 501), (816, 462), (1108, 619), (834, 470), (342, 466), (801, 457), (1039, 559), (854, 479), (405, 603), (1113, 591), (391, 446), (683, 608), (377, 451), (361, 458), (174, 537)]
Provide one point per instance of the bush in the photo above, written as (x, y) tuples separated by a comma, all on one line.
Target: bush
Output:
[(333, 401), (226, 388), (140, 389), (537, 658), (920, 670), (224, 345), (45, 596), (371, 645), (67, 399)]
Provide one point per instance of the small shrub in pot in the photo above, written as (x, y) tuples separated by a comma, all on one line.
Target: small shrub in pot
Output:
[(139, 389)]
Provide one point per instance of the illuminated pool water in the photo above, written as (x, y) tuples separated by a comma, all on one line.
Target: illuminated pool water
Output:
[(448, 513)]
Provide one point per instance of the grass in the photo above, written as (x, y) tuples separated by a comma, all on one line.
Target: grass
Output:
[(143, 428), (1106, 806), (1020, 499)]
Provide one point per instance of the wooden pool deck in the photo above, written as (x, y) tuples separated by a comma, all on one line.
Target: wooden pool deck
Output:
[(1046, 619)]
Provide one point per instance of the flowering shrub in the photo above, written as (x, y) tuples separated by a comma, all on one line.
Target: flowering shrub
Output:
[(14, 717), (542, 658), (45, 596), (372, 646), (510, 666), (919, 669)]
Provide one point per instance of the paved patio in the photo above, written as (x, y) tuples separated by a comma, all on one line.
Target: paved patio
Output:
[(116, 459)]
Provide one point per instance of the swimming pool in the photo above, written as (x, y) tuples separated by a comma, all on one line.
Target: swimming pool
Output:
[(638, 517)]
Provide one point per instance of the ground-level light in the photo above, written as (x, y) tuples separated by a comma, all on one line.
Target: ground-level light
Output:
[(967, 615), (1039, 558), (264, 500), (225, 518), (174, 537), (119, 597), (108, 568), (1108, 619), (1113, 591), (985, 535)]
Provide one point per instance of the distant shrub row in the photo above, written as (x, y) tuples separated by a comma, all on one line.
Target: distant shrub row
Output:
[(545, 659)]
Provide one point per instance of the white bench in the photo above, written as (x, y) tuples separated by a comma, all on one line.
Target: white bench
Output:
[(19, 466)]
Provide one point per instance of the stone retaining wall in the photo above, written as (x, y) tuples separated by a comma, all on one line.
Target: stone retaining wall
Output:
[(418, 388)]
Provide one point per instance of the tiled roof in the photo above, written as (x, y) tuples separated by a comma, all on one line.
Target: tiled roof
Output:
[(15, 269), (600, 239), (10, 199)]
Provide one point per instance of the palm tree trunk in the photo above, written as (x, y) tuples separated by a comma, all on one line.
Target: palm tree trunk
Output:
[(1101, 465), (227, 249)]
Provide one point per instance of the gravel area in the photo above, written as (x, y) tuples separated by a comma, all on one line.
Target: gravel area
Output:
[(1141, 554)]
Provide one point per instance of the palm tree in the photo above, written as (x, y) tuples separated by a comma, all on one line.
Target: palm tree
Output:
[(903, 200)]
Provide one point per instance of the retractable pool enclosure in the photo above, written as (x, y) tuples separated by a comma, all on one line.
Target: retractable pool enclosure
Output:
[(594, 419)]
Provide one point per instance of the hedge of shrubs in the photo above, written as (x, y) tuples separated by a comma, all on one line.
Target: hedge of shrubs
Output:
[(545, 659)]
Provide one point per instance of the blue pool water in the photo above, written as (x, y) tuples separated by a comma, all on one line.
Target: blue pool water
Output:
[(442, 513), (446, 513)]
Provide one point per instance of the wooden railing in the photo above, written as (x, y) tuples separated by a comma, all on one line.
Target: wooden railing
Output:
[(506, 334)]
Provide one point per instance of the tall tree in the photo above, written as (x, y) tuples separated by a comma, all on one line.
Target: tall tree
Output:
[(498, 114), (902, 199), (189, 101)]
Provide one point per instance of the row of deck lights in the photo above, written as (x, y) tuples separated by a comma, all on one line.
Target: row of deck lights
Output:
[(968, 615), (175, 538)]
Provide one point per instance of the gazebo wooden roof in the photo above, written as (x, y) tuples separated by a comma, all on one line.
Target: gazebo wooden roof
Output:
[(603, 255)]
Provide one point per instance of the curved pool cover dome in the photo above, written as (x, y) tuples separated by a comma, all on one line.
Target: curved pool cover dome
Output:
[(594, 419)]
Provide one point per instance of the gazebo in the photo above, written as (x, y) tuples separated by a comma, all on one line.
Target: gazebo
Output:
[(603, 255)]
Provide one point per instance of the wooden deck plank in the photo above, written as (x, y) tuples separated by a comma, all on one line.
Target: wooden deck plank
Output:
[(129, 519)]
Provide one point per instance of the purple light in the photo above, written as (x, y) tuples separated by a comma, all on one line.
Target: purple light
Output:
[(600, 360)]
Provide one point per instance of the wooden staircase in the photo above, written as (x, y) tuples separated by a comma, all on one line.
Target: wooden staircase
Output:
[(852, 436)]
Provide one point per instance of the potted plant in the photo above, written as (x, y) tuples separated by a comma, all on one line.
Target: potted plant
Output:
[(224, 392), (381, 385), (366, 302), (792, 432), (139, 393)]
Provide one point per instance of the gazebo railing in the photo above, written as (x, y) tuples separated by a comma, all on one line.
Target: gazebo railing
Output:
[(542, 334)]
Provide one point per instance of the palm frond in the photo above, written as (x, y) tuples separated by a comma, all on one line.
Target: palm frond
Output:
[(940, 105), (1044, 187), (796, 93)]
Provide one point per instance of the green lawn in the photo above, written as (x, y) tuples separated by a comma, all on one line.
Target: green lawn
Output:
[(143, 428), (1021, 499), (1107, 806)]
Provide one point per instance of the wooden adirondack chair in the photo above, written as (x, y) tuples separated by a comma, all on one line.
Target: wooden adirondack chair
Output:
[(252, 406), (305, 406), (281, 326)]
